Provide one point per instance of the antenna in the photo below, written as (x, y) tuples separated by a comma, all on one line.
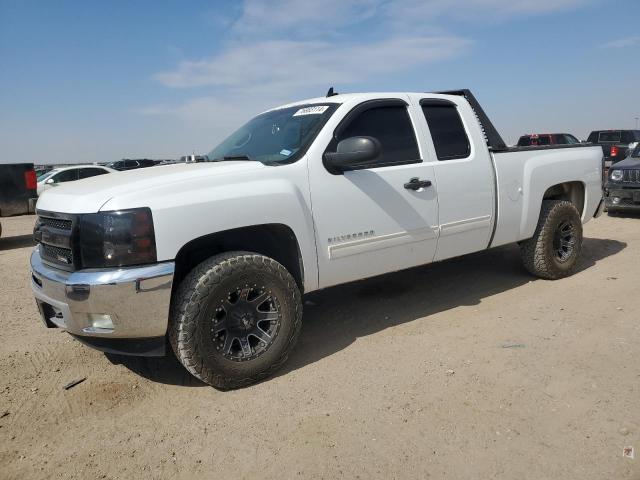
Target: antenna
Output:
[(331, 93)]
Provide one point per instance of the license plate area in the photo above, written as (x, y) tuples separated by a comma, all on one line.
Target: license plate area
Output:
[(636, 197)]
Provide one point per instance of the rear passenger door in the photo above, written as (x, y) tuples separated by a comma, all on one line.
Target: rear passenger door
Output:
[(464, 173)]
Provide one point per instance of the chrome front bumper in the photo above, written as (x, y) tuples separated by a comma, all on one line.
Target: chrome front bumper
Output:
[(119, 303)]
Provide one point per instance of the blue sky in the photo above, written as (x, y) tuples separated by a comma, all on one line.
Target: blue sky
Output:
[(93, 81)]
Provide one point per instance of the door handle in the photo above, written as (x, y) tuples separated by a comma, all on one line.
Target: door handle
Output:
[(416, 184)]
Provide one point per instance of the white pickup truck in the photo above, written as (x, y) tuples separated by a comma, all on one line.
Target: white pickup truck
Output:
[(213, 258)]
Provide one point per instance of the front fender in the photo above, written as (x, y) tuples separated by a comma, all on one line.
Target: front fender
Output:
[(211, 205)]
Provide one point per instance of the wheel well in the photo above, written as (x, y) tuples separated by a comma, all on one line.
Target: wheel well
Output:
[(274, 240), (570, 191)]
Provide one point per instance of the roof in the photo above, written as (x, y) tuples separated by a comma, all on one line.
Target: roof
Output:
[(356, 97), (90, 165)]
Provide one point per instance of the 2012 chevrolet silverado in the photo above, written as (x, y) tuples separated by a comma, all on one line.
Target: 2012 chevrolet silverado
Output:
[(214, 257)]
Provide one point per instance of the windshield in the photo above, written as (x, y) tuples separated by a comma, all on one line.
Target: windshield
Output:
[(275, 137), (43, 176)]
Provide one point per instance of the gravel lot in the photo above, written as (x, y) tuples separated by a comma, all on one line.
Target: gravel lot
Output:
[(465, 369)]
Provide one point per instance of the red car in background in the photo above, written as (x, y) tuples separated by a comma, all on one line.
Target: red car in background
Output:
[(547, 139)]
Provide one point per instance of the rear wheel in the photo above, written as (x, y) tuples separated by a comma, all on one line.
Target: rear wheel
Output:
[(555, 247), (235, 319)]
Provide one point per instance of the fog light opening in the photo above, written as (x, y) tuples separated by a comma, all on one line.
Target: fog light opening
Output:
[(100, 321), (615, 200)]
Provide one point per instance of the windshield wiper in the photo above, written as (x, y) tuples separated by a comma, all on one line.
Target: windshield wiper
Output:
[(236, 157)]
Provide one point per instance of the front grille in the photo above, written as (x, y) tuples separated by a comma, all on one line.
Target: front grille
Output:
[(59, 223), (631, 176), (57, 235), (63, 256)]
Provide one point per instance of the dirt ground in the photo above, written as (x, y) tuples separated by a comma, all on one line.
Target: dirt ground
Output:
[(465, 369)]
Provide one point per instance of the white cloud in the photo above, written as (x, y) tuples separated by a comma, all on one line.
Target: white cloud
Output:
[(281, 64), (280, 50), (623, 43)]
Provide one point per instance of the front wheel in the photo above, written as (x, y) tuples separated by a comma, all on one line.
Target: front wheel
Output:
[(555, 247), (235, 318)]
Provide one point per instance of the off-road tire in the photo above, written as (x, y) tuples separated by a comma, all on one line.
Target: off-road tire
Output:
[(538, 254), (190, 321)]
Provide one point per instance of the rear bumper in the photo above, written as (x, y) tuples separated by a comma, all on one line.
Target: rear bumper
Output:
[(124, 310)]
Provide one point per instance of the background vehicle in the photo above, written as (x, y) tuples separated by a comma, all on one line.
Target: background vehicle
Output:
[(58, 176), (547, 139), (42, 169), (623, 186), (17, 189), (305, 196), (131, 164), (194, 158), (615, 143)]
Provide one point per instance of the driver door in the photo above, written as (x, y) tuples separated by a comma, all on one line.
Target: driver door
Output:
[(367, 221)]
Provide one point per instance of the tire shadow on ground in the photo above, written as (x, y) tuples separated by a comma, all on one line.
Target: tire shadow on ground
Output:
[(335, 317), (167, 370)]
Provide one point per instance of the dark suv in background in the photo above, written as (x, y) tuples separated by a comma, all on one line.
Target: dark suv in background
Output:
[(623, 185), (547, 139), (130, 164), (615, 143)]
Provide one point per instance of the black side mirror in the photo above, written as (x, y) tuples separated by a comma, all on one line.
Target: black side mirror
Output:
[(352, 153)]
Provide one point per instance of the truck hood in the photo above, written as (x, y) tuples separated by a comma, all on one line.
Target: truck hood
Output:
[(89, 195)]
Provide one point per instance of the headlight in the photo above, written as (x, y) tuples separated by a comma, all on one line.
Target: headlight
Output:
[(117, 239), (616, 175)]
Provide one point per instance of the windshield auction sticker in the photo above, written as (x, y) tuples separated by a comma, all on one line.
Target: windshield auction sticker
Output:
[(317, 110)]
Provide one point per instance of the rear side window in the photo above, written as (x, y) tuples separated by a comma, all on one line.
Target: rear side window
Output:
[(391, 126), (91, 172), (544, 140), (629, 136), (447, 131), (615, 136), (524, 141), (66, 176)]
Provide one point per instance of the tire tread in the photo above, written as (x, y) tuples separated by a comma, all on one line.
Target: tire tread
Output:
[(534, 250), (190, 298)]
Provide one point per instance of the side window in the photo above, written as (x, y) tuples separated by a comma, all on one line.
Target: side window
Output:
[(447, 131), (66, 176), (392, 127), (524, 141), (91, 172)]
